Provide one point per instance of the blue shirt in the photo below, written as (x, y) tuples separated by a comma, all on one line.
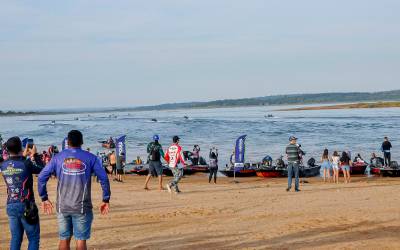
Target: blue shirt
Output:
[(17, 173), (73, 168)]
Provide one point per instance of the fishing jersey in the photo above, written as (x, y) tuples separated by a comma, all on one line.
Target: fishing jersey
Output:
[(174, 156), (73, 168), (17, 173), (155, 151)]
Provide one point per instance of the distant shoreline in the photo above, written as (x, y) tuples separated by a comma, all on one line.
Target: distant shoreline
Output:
[(361, 105), (361, 99)]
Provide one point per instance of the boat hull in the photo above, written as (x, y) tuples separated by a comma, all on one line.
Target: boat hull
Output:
[(310, 171), (390, 172), (239, 173), (270, 173), (375, 171), (358, 169)]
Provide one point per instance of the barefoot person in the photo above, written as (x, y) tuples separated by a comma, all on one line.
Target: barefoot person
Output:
[(213, 165), (293, 154), (326, 165), (113, 163), (155, 151), (120, 167), (73, 168), (174, 156), (17, 173), (345, 163), (386, 147), (335, 166)]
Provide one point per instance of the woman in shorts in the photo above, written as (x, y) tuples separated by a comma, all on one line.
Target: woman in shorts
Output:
[(345, 162), (335, 166), (326, 165)]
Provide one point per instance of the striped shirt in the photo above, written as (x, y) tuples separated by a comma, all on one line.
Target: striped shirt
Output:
[(292, 152)]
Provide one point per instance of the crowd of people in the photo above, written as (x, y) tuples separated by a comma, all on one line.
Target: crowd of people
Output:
[(73, 168), (331, 165)]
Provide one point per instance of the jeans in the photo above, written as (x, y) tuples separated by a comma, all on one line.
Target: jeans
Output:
[(178, 173), (293, 167), (18, 225), (79, 225), (387, 157), (213, 171)]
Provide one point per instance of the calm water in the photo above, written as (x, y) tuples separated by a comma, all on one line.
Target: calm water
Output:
[(356, 130)]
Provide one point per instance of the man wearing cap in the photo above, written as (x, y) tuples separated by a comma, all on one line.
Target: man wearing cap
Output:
[(174, 156), (155, 151), (293, 156)]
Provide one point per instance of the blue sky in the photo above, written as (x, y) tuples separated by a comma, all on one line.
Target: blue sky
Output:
[(127, 53)]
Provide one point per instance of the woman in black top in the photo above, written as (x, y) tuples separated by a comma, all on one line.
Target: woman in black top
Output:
[(345, 163)]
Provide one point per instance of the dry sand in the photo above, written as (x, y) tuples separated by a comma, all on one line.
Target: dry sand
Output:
[(253, 214)]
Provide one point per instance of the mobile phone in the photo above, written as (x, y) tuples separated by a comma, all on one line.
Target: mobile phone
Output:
[(30, 143)]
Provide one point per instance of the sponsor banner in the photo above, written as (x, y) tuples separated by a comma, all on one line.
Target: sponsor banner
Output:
[(240, 149)]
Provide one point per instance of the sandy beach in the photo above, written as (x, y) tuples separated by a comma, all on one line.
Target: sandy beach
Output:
[(253, 214)]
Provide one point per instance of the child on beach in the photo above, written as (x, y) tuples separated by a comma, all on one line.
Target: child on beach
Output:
[(345, 162), (335, 166), (326, 165)]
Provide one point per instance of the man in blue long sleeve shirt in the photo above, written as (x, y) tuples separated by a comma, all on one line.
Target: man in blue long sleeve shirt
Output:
[(73, 168), (17, 172)]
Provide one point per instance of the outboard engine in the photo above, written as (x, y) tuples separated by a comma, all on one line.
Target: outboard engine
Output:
[(394, 164), (202, 161), (280, 163), (267, 161), (311, 162)]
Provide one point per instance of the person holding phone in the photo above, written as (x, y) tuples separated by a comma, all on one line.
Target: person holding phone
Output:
[(21, 209)]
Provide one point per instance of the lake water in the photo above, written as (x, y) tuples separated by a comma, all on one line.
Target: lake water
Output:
[(357, 130)]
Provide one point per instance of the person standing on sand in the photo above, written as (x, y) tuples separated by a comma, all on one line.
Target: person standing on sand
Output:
[(345, 162), (213, 165), (17, 173), (174, 156), (335, 166), (293, 153), (73, 168), (120, 167), (386, 147), (326, 165), (195, 155), (113, 163), (155, 151)]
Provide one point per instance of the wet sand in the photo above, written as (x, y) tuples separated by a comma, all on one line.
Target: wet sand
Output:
[(253, 214)]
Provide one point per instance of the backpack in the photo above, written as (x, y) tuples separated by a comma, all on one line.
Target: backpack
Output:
[(155, 153)]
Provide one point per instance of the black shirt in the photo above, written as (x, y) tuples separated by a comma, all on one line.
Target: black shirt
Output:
[(386, 146)]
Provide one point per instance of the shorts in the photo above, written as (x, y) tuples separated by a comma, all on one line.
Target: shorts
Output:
[(114, 168), (78, 225), (120, 171), (155, 168), (335, 166), (326, 165), (346, 168)]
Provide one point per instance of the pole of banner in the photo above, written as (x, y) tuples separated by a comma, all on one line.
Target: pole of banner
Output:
[(234, 174)]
